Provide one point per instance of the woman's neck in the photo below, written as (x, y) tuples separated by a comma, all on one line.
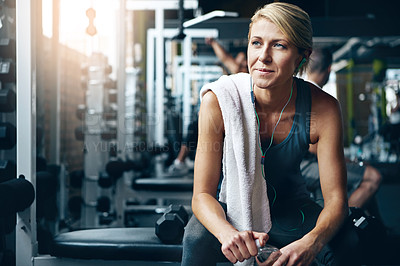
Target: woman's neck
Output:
[(272, 100)]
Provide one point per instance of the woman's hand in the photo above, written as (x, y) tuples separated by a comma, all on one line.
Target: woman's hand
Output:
[(239, 246), (296, 253)]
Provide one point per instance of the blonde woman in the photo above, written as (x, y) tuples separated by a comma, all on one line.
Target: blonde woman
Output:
[(254, 129)]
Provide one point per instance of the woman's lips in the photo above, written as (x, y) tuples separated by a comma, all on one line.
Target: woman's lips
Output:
[(263, 70)]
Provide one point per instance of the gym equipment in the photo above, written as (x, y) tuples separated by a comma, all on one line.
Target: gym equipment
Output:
[(80, 112), (7, 70), (16, 195), (170, 227), (173, 184), (91, 29), (105, 181), (109, 134), (368, 227), (76, 178), (103, 204), (7, 48), (116, 168), (110, 112), (110, 84), (7, 98), (80, 133), (180, 210), (112, 95), (8, 135), (75, 206), (8, 170), (115, 244), (113, 149)]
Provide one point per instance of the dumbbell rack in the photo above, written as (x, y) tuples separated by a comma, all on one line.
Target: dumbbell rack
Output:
[(7, 116), (97, 131)]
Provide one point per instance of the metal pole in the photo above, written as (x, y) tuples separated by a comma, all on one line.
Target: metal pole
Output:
[(26, 241)]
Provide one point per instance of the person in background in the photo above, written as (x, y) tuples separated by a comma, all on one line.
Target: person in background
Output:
[(181, 165), (232, 64), (254, 128), (363, 181)]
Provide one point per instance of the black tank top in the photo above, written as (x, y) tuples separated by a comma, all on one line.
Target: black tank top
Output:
[(282, 161)]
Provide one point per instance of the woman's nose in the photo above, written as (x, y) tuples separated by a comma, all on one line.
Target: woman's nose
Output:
[(265, 55)]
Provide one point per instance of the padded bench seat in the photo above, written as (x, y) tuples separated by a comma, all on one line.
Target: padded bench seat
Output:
[(115, 244)]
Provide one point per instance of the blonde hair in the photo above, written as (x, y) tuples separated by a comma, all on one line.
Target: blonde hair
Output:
[(293, 21)]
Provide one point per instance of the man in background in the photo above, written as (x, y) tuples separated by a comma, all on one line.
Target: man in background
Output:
[(363, 181)]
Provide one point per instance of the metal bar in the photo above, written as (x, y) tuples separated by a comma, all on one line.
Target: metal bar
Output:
[(163, 4), (160, 73), (208, 16), (26, 242)]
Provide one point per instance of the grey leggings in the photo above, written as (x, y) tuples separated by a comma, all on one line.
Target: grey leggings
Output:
[(289, 223)]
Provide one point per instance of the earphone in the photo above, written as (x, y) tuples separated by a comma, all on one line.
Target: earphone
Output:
[(263, 153), (303, 61)]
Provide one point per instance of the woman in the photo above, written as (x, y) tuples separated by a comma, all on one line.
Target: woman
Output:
[(256, 128)]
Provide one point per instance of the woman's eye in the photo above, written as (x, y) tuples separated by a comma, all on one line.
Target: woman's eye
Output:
[(279, 45), (256, 43)]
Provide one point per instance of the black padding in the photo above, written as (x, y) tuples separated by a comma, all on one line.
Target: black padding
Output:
[(115, 244), (15, 195), (163, 184)]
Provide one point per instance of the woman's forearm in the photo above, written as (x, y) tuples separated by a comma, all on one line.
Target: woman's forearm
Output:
[(329, 222), (211, 214)]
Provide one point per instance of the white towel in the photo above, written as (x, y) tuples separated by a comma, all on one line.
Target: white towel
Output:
[(243, 188)]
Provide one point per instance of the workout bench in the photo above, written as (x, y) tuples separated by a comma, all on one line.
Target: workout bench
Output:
[(120, 246), (111, 246)]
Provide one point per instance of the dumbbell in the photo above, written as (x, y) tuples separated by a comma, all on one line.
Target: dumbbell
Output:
[(103, 204), (76, 178), (8, 136), (116, 168), (105, 181), (7, 98), (8, 170), (171, 225), (7, 48), (7, 70)]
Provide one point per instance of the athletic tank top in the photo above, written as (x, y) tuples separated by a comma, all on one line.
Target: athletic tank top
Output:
[(282, 161)]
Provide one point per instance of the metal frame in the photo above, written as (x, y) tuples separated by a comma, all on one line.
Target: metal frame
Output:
[(26, 241), (159, 6), (153, 89)]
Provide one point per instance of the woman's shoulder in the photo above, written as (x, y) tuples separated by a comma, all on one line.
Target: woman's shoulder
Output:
[(320, 97)]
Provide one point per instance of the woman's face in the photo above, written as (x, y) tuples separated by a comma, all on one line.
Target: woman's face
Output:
[(272, 59)]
